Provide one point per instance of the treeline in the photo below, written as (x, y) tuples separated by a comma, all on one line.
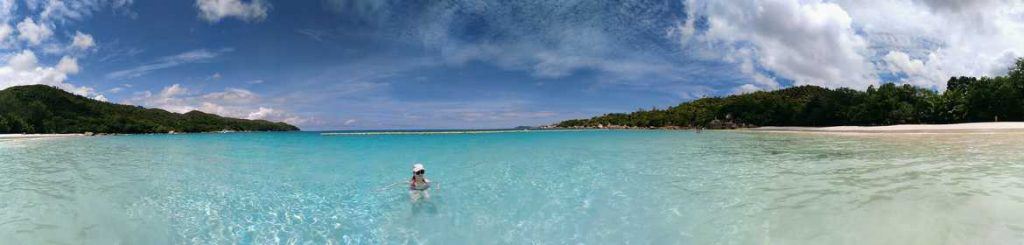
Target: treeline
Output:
[(45, 109), (966, 99)]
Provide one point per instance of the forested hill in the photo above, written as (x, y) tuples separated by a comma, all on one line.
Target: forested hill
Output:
[(45, 109), (966, 99)]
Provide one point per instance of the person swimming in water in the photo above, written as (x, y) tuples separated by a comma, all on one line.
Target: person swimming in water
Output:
[(419, 184)]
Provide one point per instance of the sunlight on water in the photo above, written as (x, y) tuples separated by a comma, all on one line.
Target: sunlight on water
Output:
[(557, 187)]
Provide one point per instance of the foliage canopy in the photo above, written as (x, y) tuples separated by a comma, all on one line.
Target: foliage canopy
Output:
[(966, 99), (45, 109)]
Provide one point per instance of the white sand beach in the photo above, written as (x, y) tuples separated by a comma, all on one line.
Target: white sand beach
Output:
[(34, 136), (985, 127)]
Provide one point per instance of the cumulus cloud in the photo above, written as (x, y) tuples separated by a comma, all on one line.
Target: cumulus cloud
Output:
[(215, 10), (5, 32), (809, 42), (940, 38), (768, 43), (233, 96), (915, 70), (855, 43), (172, 91), (67, 65), (24, 61), (231, 102), (33, 33), (169, 98), (7, 8), (23, 68), (39, 21), (82, 41), (271, 114)]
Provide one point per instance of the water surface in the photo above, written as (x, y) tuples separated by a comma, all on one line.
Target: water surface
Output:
[(530, 187)]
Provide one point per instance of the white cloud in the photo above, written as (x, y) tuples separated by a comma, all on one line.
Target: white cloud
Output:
[(174, 90), (172, 98), (33, 33), (233, 96), (194, 56), (262, 113), (68, 65), (231, 102), (810, 42), (619, 44), (215, 10), (271, 114), (5, 31), (23, 68), (24, 61), (317, 35), (853, 43), (82, 41), (942, 38), (746, 89), (7, 8), (76, 10)]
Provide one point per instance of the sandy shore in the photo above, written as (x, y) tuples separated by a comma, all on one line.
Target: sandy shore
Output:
[(907, 128), (34, 136)]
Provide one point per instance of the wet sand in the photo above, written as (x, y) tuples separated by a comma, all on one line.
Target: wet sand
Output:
[(986, 127)]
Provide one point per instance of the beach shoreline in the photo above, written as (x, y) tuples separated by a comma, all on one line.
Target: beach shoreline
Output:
[(982, 127), (35, 136)]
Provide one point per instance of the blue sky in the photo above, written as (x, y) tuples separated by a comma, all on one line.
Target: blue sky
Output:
[(354, 64)]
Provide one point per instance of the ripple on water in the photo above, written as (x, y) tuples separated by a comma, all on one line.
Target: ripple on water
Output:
[(559, 187)]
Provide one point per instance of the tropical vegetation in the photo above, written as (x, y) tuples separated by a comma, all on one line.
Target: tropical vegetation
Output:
[(965, 99), (45, 109)]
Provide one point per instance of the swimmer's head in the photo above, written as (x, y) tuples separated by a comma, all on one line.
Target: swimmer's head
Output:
[(418, 169)]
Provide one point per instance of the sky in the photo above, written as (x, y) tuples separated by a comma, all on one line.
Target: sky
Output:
[(382, 64)]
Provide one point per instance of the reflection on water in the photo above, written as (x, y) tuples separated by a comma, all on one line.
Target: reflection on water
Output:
[(559, 187)]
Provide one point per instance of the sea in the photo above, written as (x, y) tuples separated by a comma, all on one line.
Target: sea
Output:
[(515, 187)]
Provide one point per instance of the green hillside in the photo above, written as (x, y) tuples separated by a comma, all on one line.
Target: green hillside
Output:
[(966, 99), (45, 109)]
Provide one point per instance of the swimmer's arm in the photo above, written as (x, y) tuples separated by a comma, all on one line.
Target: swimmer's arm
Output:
[(392, 185)]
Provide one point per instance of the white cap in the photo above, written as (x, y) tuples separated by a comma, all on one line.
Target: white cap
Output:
[(417, 167)]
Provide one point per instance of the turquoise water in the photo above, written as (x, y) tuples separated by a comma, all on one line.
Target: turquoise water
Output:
[(536, 187)]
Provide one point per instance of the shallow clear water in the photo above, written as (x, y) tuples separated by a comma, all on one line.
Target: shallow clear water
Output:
[(540, 187)]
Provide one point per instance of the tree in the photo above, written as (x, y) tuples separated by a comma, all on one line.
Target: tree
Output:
[(966, 99), (45, 109)]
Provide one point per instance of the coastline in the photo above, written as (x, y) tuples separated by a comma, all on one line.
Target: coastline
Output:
[(35, 136), (430, 132), (978, 127), (981, 127)]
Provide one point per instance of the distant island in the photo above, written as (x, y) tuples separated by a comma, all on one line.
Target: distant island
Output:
[(966, 99), (41, 109)]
